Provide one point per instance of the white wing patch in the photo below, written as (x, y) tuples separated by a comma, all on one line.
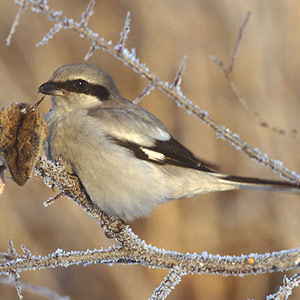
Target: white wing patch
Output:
[(162, 135), (153, 155)]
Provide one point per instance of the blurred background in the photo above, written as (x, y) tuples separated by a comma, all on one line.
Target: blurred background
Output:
[(266, 72)]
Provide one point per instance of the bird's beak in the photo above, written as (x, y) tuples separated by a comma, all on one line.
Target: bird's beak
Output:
[(51, 88)]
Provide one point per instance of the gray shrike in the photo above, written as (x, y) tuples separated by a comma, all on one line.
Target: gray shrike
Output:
[(124, 156)]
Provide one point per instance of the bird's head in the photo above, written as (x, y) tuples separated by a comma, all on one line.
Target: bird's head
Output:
[(79, 86)]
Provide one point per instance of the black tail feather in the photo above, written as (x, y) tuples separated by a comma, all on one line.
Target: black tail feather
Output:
[(264, 184)]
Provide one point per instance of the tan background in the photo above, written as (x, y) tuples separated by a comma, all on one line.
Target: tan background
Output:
[(267, 74)]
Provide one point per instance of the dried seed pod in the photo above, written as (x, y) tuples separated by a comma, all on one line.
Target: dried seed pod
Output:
[(22, 133)]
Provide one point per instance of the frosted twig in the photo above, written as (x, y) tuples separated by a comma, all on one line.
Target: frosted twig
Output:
[(15, 23), (286, 290), (12, 254), (35, 289), (124, 34), (11, 249), (168, 284), (228, 75), (16, 279), (146, 91), (91, 51), (128, 58), (177, 79), (26, 251), (55, 29), (87, 13), (51, 200)]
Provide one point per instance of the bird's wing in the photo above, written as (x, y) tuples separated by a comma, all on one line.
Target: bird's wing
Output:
[(145, 137), (168, 152)]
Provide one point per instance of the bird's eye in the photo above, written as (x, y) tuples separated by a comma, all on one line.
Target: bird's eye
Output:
[(84, 87), (80, 85)]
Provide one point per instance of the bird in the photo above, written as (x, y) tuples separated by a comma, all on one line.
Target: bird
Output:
[(125, 158)]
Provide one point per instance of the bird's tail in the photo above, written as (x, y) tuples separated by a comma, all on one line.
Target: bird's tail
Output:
[(198, 183), (238, 182)]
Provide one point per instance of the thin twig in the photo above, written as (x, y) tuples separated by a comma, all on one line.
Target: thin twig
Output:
[(15, 24), (124, 34), (177, 79), (51, 200), (35, 289), (238, 41), (87, 13), (145, 92), (228, 75)]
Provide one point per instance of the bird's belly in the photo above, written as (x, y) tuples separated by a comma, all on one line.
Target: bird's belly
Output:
[(118, 183)]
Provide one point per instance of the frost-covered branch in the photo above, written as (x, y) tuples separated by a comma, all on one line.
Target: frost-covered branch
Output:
[(60, 258), (129, 58), (131, 249)]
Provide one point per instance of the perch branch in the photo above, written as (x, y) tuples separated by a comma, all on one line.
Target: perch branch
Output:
[(132, 249)]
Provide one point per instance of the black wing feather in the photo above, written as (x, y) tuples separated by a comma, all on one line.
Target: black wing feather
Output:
[(175, 153)]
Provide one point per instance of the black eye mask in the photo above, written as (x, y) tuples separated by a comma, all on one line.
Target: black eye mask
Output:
[(78, 86)]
